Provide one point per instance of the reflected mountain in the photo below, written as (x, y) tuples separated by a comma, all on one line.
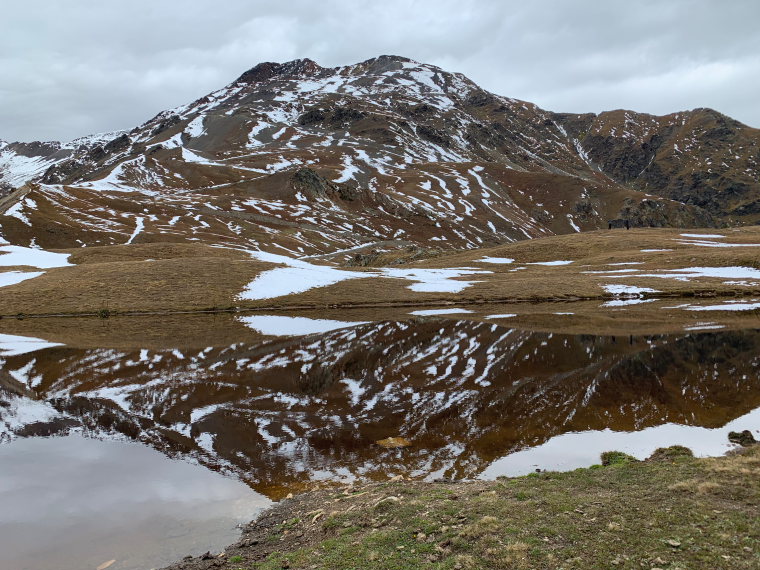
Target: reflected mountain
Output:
[(282, 414)]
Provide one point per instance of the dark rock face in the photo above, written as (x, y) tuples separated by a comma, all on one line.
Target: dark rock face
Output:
[(34, 149), (118, 144), (656, 214), (700, 157), (167, 123), (435, 136), (317, 187), (268, 70), (63, 171), (743, 438), (337, 117)]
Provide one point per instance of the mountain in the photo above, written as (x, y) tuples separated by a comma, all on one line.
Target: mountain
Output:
[(304, 160), (21, 162), (285, 412)]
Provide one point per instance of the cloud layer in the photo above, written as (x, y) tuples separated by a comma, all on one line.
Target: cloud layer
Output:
[(74, 68)]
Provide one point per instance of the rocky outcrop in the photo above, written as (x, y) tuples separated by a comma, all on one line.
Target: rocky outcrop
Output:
[(317, 187), (657, 214), (699, 157)]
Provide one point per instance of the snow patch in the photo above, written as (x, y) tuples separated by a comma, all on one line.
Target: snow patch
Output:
[(11, 255)]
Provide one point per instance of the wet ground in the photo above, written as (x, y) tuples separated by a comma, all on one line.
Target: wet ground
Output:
[(92, 410)]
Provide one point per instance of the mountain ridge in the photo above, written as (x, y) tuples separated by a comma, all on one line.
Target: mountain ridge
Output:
[(390, 149)]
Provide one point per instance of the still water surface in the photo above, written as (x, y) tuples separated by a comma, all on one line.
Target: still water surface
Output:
[(283, 413)]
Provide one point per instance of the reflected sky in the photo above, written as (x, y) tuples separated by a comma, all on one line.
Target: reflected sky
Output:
[(71, 503)]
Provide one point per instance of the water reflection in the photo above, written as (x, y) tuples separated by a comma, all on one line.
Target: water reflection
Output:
[(283, 413), (71, 503)]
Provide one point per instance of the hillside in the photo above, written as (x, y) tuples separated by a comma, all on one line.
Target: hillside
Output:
[(388, 153)]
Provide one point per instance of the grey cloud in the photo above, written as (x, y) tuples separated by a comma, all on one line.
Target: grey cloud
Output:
[(72, 68)]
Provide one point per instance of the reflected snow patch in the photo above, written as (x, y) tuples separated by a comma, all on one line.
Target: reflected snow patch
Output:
[(13, 345), (279, 325), (704, 327), (726, 307), (428, 312), (624, 302)]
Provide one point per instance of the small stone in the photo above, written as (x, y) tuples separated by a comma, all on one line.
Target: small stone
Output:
[(673, 543)]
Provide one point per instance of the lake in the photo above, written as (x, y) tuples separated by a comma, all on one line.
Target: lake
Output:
[(144, 439)]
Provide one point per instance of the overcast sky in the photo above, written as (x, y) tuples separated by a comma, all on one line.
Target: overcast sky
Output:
[(74, 67)]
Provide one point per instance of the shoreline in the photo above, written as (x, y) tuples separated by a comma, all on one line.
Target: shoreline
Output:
[(671, 510)]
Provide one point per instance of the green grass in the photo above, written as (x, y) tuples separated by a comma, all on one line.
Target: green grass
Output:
[(676, 512)]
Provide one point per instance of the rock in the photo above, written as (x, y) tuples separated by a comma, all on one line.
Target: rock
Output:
[(394, 442), (118, 144), (743, 438), (167, 123), (673, 543), (316, 186)]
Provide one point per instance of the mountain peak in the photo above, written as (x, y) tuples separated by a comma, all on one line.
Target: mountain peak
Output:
[(267, 70)]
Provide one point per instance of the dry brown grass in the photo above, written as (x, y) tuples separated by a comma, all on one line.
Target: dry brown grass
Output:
[(178, 284), (184, 331), (191, 277)]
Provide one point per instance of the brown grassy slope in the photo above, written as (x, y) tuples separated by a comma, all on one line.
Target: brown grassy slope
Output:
[(130, 278), (182, 331), (171, 277), (590, 251)]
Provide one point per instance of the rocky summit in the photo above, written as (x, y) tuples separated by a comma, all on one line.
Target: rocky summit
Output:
[(299, 159)]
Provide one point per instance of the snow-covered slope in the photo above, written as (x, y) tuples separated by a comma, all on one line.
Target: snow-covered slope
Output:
[(300, 159)]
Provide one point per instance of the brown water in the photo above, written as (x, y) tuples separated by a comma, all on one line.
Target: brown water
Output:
[(284, 413)]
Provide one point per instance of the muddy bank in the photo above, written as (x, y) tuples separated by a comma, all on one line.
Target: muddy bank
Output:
[(671, 510)]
